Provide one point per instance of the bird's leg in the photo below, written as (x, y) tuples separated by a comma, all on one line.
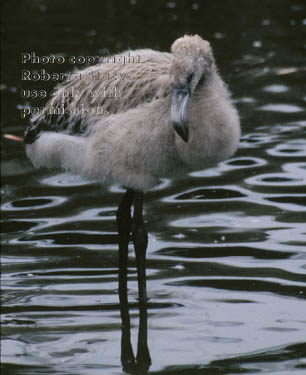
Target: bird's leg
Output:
[(124, 222), (140, 239), (143, 355)]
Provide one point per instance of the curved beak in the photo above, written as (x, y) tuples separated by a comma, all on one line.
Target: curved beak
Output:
[(179, 111)]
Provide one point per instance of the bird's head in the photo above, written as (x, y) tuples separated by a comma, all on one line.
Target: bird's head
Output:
[(192, 61)]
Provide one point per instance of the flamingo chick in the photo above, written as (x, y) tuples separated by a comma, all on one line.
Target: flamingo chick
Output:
[(174, 115)]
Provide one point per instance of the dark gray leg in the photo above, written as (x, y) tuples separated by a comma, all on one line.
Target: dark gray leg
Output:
[(124, 222), (140, 239)]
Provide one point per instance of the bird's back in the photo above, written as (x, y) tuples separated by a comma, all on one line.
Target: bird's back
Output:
[(116, 84)]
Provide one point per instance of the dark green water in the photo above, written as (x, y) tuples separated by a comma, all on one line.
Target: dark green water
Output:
[(227, 246)]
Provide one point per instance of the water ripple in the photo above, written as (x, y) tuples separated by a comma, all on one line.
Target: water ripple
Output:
[(282, 107), (35, 203)]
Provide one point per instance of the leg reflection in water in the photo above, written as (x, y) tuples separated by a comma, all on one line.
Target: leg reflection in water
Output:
[(126, 225)]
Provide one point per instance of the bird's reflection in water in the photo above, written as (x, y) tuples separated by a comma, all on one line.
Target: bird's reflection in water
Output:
[(126, 225), (142, 362)]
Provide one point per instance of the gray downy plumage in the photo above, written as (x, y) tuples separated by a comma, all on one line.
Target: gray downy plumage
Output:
[(173, 115)]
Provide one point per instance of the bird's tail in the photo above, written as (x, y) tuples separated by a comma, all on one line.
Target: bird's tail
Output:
[(58, 150)]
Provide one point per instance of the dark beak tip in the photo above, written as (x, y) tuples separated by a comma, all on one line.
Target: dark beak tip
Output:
[(179, 112), (185, 138), (182, 131)]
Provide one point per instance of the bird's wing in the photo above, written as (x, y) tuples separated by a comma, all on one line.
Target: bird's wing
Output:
[(107, 88)]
